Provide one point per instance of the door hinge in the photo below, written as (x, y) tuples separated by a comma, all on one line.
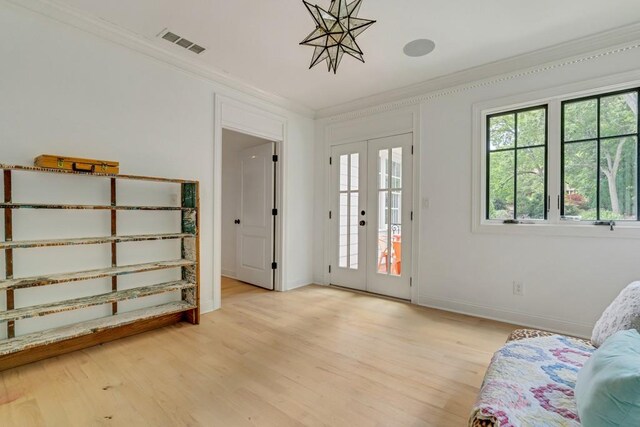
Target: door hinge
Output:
[(275, 157), (411, 215), (329, 214), (274, 265), (410, 282), (329, 269), (274, 212), (412, 150), (330, 160)]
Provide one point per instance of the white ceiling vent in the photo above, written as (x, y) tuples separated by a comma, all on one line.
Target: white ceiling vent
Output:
[(181, 41)]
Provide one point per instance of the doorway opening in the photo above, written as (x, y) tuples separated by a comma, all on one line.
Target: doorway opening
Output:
[(249, 212)]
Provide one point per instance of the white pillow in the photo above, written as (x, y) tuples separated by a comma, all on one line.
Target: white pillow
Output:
[(623, 314)]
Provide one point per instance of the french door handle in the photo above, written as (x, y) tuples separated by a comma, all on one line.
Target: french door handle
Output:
[(237, 221), (363, 223)]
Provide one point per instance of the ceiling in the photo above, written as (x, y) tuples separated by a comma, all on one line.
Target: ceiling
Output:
[(256, 41)]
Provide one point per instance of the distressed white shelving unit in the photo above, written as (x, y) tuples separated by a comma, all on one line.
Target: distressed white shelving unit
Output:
[(19, 350)]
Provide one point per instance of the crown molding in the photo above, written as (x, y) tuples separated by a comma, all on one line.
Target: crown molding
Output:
[(584, 49), (106, 30), (560, 55)]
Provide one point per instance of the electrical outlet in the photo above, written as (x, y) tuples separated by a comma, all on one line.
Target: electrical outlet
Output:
[(518, 288)]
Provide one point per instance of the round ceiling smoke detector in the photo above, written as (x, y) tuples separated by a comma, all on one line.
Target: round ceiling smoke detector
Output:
[(420, 47)]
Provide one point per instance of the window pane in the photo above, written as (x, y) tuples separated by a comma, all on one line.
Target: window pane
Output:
[(530, 186), (353, 232), (355, 168), (344, 172), (502, 132), (396, 233), (618, 179), (581, 120), (343, 230), (619, 114), (580, 180), (383, 232), (396, 167), (383, 168), (532, 127), (501, 185)]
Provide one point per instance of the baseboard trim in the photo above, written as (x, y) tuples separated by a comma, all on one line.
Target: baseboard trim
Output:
[(508, 316), (207, 306), (298, 284)]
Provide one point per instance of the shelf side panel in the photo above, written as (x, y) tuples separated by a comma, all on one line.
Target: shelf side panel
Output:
[(191, 248)]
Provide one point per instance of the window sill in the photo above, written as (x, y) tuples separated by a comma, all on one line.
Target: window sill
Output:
[(564, 229)]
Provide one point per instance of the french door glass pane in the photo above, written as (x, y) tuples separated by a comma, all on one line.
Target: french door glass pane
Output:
[(383, 169), (618, 179), (344, 172), (396, 168), (355, 172), (390, 211), (383, 231), (348, 215), (353, 232), (396, 233), (343, 230)]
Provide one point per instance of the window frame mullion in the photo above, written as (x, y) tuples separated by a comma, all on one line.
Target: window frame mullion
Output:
[(515, 165), (638, 157), (555, 157)]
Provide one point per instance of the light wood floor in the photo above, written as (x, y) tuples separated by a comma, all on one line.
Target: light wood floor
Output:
[(314, 356)]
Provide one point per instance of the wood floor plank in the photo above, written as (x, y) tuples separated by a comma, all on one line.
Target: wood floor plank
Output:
[(316, 356)]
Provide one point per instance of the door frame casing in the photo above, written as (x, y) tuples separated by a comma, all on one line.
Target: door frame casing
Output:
[(375, 126), (240, 117)]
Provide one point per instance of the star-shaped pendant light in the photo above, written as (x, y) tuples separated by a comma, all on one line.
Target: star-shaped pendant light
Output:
[(336, 32)]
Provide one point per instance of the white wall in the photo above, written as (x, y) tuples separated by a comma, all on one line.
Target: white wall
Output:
[(568, 280), (232, 144), (67, 91)]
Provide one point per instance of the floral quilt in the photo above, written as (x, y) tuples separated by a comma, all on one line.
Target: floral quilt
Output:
[(531, 382)]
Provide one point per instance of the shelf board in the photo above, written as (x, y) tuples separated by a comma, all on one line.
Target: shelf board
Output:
[(97, 175), (91, 240), (52, 279), (51, 336), (90, 301), (91, 207)]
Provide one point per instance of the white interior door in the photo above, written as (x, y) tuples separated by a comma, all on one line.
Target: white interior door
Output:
[(371, 215), (255, 228)]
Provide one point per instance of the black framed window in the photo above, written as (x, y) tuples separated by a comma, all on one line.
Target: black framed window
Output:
[(600, 157), (517, 164)]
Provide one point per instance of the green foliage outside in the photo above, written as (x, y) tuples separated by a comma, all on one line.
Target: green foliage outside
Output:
[(521, 136)]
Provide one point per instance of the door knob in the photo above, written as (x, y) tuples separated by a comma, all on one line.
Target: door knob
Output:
[(363, 223), (363, 213), (237, 221)]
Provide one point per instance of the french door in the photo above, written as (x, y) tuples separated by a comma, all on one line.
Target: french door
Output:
[(371, 215)]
